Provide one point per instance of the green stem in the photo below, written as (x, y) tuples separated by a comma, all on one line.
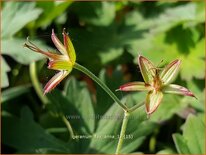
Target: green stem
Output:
[(43, 98), (135, 107), (35, 83), (69, 127), (101, 84), (122, 133)]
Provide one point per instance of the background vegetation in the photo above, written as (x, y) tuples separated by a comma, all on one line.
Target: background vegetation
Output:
[(107, 37)]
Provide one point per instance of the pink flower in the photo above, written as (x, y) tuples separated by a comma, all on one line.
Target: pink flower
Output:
[(62, 62), (156, 83)]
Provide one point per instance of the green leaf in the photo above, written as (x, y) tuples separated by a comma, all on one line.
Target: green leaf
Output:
[(12, 93), (60, 105), (169, 38), (20, 14), (195, 62), (190, 53), (110, 55), (96, 13), (19, 53), (180, 144), (166, 151), (106, 136), (15, 15), (113, 80), (51, 11), (199, 14), (4, 70), (197, 87), (76, 105), (192, 140), (195, 140), (170, 105), (23, 131), (173, 17), (79, 97), (103, 44)]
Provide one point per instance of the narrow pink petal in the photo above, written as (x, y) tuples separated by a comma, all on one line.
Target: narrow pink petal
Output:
[(58, 43), (34, 48), (170, 71), (176, 89), (135, 86), (153, 100), (60, 65), (147, 69), (55, 80), (69, 47)]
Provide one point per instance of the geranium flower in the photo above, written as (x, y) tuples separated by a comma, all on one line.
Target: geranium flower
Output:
[(156, 82), (62, 62)]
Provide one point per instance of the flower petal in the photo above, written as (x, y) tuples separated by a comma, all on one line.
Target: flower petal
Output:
[(170, 72), (176, 89), (58, 43), (147, 69), (55, 80), (135, 86), (60, 65), (69, 47), (153, 100), (34, 48)]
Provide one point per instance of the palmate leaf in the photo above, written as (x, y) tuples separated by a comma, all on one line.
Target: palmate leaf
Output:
[(25, 135), (181, 145), (76, 105), (192, 57), (195, 61), (12, 93), (51, 11), (103, 44), (14, 48), (192, 141), (15, 15), (4, 69), (106, 136), (174, 39), (80, 120), (79, 97), (172, 17), (189, 14), (95, 13)]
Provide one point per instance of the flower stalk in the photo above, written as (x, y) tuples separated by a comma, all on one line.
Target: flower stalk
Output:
[(35, 83), (43, 98), (123, 131), (101, 84), (68, 125)]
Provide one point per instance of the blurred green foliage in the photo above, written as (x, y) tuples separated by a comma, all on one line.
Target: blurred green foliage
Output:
[(107, 37)]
